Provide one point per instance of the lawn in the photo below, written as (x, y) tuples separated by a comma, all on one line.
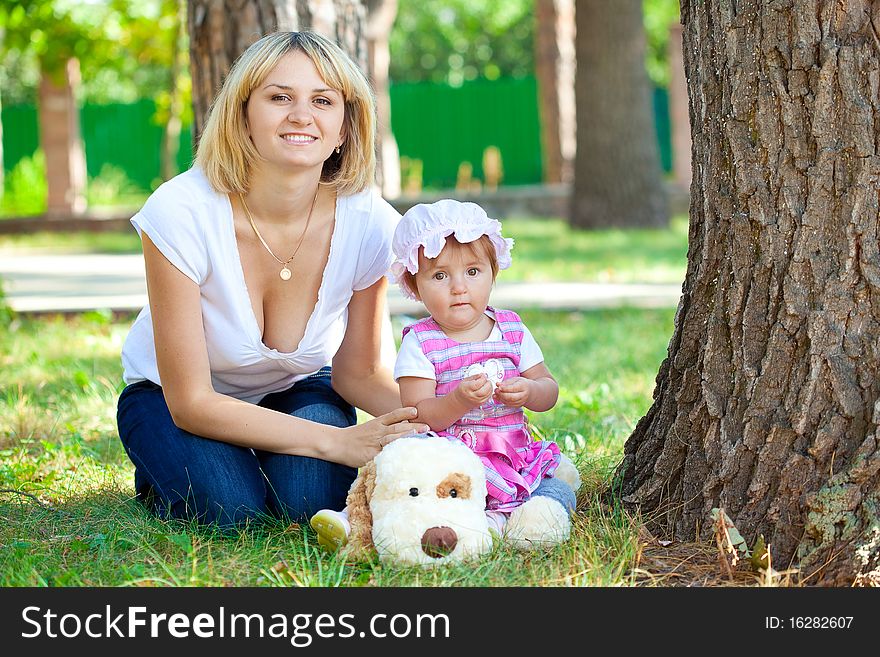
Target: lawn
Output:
[(70, 520), (67, 486), (544, 250)]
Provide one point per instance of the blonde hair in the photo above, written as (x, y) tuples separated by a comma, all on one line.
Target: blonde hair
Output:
[(483, 242), (225, 152)]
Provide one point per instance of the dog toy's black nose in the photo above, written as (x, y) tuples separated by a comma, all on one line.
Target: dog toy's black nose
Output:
[(437, 542)]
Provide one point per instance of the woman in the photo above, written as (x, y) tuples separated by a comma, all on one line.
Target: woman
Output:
[(265, 265)]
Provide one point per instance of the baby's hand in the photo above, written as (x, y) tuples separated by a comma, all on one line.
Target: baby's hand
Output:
[(474, 390), (514, 391)]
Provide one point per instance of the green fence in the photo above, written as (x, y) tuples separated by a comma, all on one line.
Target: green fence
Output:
[(444, 126), (124, 135), (127, 136), (440, 125)]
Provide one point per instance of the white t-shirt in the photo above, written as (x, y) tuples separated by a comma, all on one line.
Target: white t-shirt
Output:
[(412, 361), (191, 224)]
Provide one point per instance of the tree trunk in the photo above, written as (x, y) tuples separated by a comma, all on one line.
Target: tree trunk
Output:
[(554, 69), (171, 133), (380, 20), (768, 403), (61, 141), (220, 30), (678, 111), (2, 168), (618, 181)]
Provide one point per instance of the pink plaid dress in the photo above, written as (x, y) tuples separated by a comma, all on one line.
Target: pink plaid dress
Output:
[(515, 464)]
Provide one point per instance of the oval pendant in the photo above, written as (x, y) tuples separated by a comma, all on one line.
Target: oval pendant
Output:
[(285, 274)]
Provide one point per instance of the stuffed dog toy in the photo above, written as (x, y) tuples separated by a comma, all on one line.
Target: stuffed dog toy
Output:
[(420, 501)]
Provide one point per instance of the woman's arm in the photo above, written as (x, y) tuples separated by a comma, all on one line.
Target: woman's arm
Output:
[(536, 389), (440, 412), (182, 359), (358, 373)]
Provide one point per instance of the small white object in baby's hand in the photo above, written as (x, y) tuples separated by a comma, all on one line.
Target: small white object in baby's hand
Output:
[(493, 370)]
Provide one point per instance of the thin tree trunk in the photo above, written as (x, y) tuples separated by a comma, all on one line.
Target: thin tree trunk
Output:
[(768, 404), (2, 168), (618, 180), (380, 20), (171, 134), (546, 56), (678, 111), (554, 69), (61, 142), (220, 30)]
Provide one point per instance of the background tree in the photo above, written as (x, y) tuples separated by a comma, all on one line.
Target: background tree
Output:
[(68, 52), (618, 179), (58, 35), (179, 61), (768, 403), (456, 40), (380, 19), (3, 19), (153, 54), (220, 30), (658, 16), (554, 69)]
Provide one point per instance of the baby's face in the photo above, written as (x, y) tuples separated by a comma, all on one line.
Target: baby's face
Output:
[(455, 286)]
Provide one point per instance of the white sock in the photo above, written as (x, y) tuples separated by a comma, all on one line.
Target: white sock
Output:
[(342, 516), (497, 520)]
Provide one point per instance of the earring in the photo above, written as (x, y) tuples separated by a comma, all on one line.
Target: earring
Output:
[(337, 150)]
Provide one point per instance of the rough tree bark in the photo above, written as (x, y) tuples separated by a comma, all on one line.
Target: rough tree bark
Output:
[(618, 180), (220, 30), (768, 403)]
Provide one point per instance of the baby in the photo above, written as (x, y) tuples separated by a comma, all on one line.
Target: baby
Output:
[(470, 370)]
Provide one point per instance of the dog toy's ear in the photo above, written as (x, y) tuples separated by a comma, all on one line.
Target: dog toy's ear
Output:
[(360, 541)]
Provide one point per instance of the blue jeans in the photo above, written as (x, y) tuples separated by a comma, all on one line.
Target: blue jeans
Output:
[(557, 490), (181, 475)]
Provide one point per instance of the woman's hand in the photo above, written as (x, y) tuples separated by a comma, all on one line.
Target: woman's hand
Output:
[(474, 391), (362, 442)]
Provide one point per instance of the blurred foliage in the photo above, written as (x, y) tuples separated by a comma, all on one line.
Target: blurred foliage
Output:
[(456, 40), (7, 314), (19, 77), (25, 188), (658, 16), (124, 47), (112, 188), (56, 31)]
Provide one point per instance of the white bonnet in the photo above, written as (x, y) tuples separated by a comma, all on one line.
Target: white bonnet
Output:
[(429, 224)]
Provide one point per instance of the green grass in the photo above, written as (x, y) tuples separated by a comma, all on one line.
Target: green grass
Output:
[(69, 518), (545, 250), (112, 242), (549, 250)]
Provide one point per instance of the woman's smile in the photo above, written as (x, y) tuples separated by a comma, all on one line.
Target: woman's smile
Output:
[(299, 138)]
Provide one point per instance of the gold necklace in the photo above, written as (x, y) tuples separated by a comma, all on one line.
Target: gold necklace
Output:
[(285, 272)]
